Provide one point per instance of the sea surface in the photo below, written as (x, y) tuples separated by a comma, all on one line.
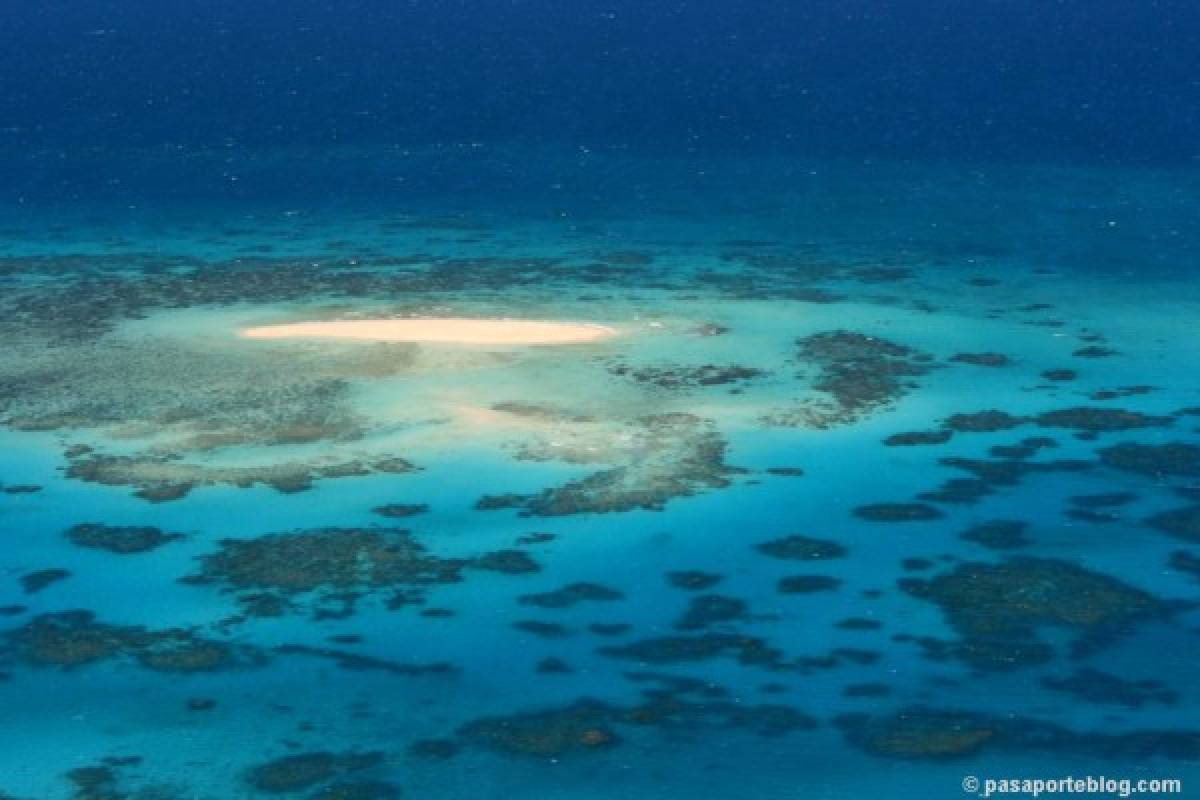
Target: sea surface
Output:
[(888, 482)]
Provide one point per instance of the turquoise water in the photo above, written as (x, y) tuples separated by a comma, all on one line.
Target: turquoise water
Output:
[(778, 320)]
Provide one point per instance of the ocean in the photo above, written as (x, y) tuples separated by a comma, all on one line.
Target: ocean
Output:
[(697, 400)]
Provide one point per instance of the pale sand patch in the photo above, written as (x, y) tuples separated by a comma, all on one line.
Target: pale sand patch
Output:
[(448, 330)]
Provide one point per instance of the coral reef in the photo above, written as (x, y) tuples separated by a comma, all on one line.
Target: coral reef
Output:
[(1083, 418), (807, 584), (674, 455), (710, 609), (1093, 686), (165, 478), (1181, 523), (687, 377), (335, 564), (120, 539), (801, 548), (693, 579), (998, 534), (897, 512), (306, 770), (1173, 459), (70, 639), (570, 595), (998, 608), (859, 373), (981, 359)]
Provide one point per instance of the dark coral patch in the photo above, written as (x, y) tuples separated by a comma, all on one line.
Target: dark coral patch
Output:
[(509, 562), (786, 472), (807, 584), (1000, 534), (920, 734), (1093, 686), (1181, 523), (357, 790), (74, 638), (1098, 420), (553, 666), (306, 770), (859, 624), (897, 512), (933, 734), (911, 438), (1094, 351), (801, 548), (684, 377), (860, 373), (544, 630), (997, 609), (989, 474), (121, 539), (711, 609), (981, 359), (1024, 449), (400, 510), (581, 727), (570, 595), (693, 579), (439, 749), (983, 422), (1174, 459), (33, 582), (1185, 562), (677, 649), (1103, 500), (324, 558)]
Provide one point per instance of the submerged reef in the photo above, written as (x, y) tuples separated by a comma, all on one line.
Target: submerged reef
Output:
[(998, 534), (70, 639), (897, 512), (306, 770), (749, 650), (1099, 420), (1093, 686), (858, 373), (937, 734), (997, 609), (981, 359), (336, 563), (582, 726), (692, 579), (687, 377), (676, 705), (1174, 459), (120, 539), (675, 455), (711, 609), (801, 548), (1181, 523), (166, 478), (570, 595)]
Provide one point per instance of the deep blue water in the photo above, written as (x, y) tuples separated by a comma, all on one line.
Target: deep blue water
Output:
[(883, 476)]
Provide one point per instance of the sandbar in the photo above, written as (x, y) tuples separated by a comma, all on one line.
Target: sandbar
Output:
[(442, 330)]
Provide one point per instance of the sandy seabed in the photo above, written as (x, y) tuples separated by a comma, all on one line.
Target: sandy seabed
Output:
[(442, 330)]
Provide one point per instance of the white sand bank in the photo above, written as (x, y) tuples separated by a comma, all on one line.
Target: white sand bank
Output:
[(440, 330)]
